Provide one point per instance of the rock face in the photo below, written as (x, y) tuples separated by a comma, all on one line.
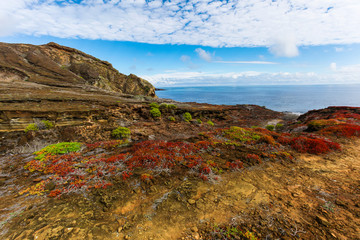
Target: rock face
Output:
[(60, 66)]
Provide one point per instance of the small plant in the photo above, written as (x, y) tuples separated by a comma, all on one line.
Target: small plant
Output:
[(210, 123), (154, 105), (187, 117), (199, 121), (59, 148), (163, 106), (171, 106), (155, 113), (40, 125), (171, 118), (31, 127), (270, 127), (47, 124), (317, 125), (279, 126), (121, 133)]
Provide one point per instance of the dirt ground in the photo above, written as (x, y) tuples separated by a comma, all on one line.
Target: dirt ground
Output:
[(311, 197)]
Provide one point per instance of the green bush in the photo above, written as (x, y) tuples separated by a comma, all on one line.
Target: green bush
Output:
[(31, 127), (270, 127), (154, 105), (210, 123), (171, 106), (171, 118), (187, 117), (279, 126), (47, 124), (59, 148), (155, 113), (43, 124), (121, 133), (199, 121), (163, 106)]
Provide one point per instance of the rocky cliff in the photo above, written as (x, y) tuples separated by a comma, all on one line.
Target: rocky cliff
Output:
[(56, 65)]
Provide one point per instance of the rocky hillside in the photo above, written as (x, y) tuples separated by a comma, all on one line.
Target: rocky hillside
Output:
[(60, 84), (56, 65)]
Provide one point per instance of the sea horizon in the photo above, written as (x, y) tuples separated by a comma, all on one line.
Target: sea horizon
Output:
[(297, 99)]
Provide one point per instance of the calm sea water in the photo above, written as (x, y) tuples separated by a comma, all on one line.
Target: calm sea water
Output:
[(298, 99)]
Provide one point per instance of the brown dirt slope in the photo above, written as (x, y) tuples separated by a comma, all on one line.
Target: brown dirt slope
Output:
[(311, 197)]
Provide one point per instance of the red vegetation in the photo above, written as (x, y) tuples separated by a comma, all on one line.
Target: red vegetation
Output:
[(78, 172), (314, 145), (342, 130), (235, 165), (253, 157)]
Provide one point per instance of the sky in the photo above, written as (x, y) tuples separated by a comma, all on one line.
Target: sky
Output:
[(201, 43)]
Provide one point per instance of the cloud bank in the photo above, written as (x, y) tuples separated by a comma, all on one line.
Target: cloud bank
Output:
[(229, 23), (343, 74)]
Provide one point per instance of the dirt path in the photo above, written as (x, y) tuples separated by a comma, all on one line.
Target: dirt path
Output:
[(313, 197)]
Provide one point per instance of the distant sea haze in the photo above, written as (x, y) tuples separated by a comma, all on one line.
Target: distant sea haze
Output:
[(294, 98)]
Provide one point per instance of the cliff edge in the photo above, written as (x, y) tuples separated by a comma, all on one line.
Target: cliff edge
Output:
[(59, 66)]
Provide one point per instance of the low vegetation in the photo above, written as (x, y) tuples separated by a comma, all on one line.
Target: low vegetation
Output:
[(31, 127), (40, 125), (270, 127), (155, 113), (210, 123), (121, 133), (187, 117)]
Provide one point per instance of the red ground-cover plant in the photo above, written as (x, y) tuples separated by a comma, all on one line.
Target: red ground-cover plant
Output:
[(235, 165), (313, 145), (342, 130), (106, 144), (74, 172), (81, 169), (161, 155), (253, 157), (344, 114), (309, 143)]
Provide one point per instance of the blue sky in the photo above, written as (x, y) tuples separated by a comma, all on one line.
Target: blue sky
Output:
[(194, 43)]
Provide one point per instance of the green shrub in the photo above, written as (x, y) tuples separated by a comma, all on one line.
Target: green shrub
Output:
[(43, 124), (199, 121), (316, 125), (155, 113), (59, 148), (279, 126), (171, 118), (210, 123), (121, 133), (187, 117), (270, 127), (47, 124), (31, 127), (154, 105), (171, 106), (163, 106)]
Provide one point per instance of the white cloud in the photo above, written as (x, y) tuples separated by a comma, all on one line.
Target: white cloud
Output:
[(333, 66), (339, 49), (185, 58), (343, 74), (203, 54), (207, 23), (284, 47), (246, 62)]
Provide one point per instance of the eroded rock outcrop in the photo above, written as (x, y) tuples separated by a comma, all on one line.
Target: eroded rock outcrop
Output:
[(56, 65)]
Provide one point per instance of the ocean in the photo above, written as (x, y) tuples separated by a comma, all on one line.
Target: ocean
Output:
[(295, 98)]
